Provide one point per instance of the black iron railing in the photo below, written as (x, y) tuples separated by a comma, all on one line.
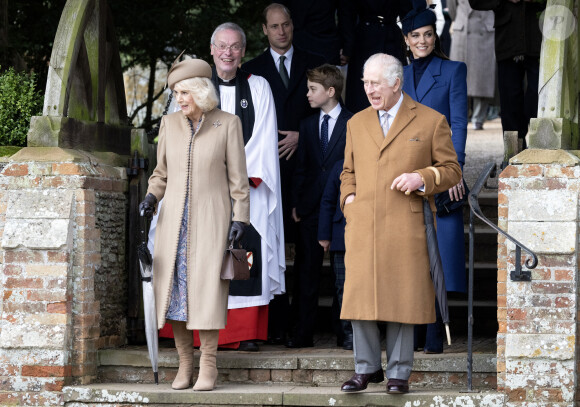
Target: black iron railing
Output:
[(516, 275)]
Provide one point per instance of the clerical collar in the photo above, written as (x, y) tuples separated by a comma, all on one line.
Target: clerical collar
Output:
[(231, 82)]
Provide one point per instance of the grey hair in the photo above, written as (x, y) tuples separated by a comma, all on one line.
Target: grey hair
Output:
[(202, 90), (229, 26), (392, 68)]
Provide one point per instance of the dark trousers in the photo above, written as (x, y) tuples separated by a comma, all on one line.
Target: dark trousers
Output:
[(518, 102), (307, 270), (337, 262), (430, 337)]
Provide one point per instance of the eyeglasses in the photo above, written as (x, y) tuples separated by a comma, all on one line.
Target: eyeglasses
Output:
[(223, 47)]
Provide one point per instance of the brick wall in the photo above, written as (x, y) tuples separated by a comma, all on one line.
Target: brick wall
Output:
[(537, 337), (52, 231)]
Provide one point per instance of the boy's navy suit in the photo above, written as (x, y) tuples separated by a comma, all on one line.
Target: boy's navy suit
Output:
[(310, 177), (312, 169)]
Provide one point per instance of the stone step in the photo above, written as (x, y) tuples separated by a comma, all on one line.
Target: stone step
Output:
[(117, 394), (303, 367)]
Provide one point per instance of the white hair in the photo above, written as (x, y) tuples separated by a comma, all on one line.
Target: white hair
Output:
[(202, 91), (391, 67), (229, 26)]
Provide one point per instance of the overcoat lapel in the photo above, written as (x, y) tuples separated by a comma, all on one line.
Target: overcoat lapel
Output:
[(373, 125), (298, 65), (404, 116), (428, 79)]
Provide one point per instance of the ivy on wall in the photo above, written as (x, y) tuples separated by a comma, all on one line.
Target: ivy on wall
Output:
[(19, 100)]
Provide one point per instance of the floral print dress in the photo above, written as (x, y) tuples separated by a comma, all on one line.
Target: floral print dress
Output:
[(177, 310)]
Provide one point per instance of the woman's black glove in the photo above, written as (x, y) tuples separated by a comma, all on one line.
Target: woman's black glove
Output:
[(236, 231), (147, 207)]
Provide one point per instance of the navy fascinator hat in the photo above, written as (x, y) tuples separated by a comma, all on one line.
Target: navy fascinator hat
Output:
[(420, 16)]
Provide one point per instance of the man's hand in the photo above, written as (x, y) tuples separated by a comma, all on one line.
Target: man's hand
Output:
[(349, 199), (407, 182), (325, 244), (295, 215), (456, 192), (288, 145)]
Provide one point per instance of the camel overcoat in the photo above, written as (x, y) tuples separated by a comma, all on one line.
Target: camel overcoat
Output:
[(387, 265), (219, 192)]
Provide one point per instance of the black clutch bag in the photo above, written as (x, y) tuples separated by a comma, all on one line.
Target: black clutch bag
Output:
[(445, 206)]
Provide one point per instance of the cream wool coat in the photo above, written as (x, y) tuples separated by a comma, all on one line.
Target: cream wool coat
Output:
[(218, 193), (387, 265)]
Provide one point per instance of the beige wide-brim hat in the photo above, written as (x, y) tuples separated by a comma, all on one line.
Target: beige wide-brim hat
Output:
[(189, 68)]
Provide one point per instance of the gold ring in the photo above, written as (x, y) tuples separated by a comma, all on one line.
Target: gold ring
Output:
[(407, 192)]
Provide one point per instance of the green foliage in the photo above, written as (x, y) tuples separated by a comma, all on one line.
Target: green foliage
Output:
[(19, 100)]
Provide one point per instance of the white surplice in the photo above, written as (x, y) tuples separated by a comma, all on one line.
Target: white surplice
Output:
[(265, 201)]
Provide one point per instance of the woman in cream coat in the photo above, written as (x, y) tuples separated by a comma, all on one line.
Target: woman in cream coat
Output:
[(201, 174)]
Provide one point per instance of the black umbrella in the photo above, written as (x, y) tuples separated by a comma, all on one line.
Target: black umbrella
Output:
[(146, 266), (436, 268)]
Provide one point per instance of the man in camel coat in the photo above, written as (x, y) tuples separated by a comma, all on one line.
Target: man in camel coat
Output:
[(398, 152)]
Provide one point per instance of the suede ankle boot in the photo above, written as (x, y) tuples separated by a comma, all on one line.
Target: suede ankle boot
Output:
[(207, 362), (184, 344)]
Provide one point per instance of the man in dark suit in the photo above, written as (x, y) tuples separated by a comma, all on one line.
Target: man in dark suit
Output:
[(316, 28), (322, 140), (288, 84)]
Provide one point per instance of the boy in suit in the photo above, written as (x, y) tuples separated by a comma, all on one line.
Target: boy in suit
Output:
[(321, 144), (331, 225)]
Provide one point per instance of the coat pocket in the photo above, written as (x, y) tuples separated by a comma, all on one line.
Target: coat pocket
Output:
[(416, 205)]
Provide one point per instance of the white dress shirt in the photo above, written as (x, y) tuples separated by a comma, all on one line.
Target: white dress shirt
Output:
[(334, 113), (287, 61)]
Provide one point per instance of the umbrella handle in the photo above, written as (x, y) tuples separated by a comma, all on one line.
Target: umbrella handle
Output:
[(448, 333)]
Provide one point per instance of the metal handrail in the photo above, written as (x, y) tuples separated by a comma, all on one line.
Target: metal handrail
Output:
[(489, 171), (517, 274)]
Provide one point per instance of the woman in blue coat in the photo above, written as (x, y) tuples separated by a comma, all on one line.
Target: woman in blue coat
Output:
[(435, 81)]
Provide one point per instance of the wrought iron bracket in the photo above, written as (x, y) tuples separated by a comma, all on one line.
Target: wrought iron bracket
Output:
[(518, 274), (135, 164)]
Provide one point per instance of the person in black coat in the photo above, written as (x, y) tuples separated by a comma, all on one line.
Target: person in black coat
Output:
[(372, 28), (289, 89), (518, 41), (319, 26)]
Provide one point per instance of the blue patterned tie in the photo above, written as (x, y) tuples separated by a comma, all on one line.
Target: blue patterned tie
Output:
[(324, 134)]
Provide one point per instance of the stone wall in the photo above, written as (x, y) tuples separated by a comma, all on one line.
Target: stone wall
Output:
[(538, 327), (59, 210)]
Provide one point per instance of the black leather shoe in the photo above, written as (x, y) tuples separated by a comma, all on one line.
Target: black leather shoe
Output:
[(248, 346), (347, 343), (275, 340), (359, 382), (397, 386), (299, 343)]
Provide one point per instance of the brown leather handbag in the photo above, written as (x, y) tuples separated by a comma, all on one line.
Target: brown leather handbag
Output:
[(235, 264)]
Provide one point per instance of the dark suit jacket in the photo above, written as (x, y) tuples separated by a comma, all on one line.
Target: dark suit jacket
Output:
[(370, 34), (312, 169), (291, 104), (331, 221), (315, 26)]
